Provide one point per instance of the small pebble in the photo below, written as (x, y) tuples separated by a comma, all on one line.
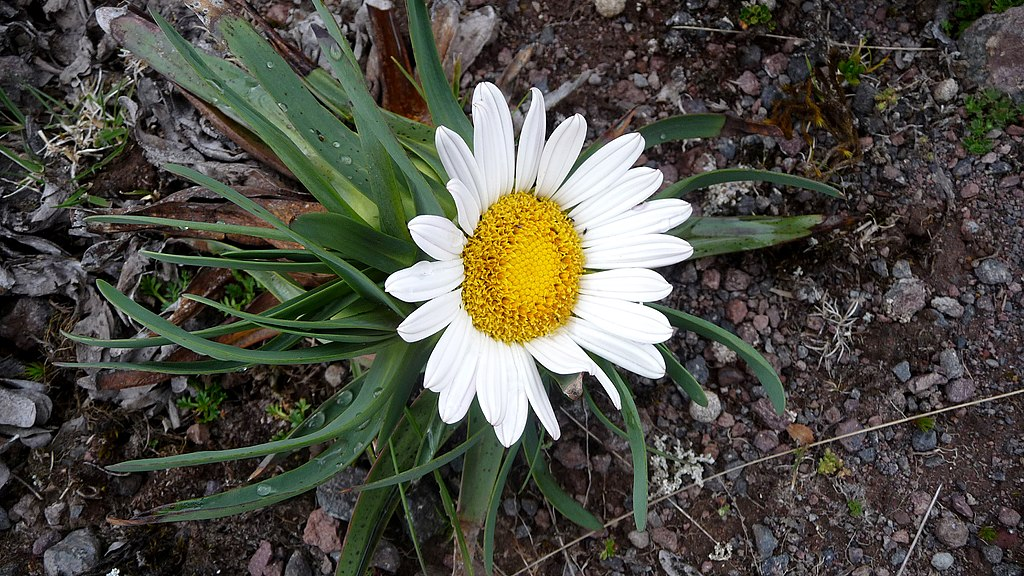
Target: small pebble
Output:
[(902, 371), (610, 8), (951, 531), (942, 561), (639, 540), (1008, 517), (993, 271), (946, 90), (709, 413)]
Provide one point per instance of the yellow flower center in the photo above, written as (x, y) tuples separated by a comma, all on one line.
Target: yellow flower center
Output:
[(522, 269)]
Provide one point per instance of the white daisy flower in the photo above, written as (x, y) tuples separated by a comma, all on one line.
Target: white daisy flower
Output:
[(543, 266)]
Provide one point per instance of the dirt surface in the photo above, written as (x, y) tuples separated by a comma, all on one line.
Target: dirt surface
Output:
[(908, 300)]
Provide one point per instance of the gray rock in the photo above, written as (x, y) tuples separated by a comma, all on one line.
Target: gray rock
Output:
[(639, 540), (1008, 517), (991, 48), (5, 521), (767, 415), (5, 474), (698, 368), (1006, 570), (334, 495), (946, 90), (709, 413), (993, 271), (993, 554), (906, 297), (387, 557), (77, 553), (951, 531), (764, 540), (674, 565), (297, 565), (925, 382), (947, 306), (610, 8), (16, 409), (766, 441), (902, 371), (960, 390), (901, 270), (853, 443), (949, 364), (942, 561), (924, 441)]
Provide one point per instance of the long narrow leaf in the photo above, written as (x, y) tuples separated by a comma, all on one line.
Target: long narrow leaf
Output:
[(705, 179), (713, 235), (565, 504), (637, 445), (682, 377), (762, 368), (444, 108)]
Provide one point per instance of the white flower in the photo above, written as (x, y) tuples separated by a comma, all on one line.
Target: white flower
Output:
[(543, 267)]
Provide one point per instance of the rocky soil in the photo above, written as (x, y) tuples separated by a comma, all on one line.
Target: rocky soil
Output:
[(907, 301)]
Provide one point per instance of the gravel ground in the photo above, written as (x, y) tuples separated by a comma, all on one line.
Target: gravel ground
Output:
[(907, 301)]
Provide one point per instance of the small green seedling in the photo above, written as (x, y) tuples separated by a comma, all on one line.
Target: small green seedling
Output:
[(165, 293), (241, 292), (987, 111), (205, 404), (756, 15), (36, 371), (293, 416), (856, 508), (858, 63), (886, 99), (925, 423), (830, 464), (723, 511), (987, 534), (610, 549)]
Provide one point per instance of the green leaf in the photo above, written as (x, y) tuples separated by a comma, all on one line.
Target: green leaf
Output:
[(682, 377), (339, 455), (479, 479), (369, 119), (392, 365), (444, 108), (146, 221), (566, 505), (705, 179), (684, 127), (374, 508), (234, 264), (354, 277), (714, 235), (417, 472), (762, 368), (354, 240), (490, 524), (637, 445)]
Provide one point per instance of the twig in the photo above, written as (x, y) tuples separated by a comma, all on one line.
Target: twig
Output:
[(799, 39), (660, 499), (919, 530)]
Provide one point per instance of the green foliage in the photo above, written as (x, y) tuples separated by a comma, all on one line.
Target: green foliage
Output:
[(830, 464), (205, 404), (886, 99), (37, 371), (610, 549), (293, 415), (858, 63), (987, 534), (165, 293), (756, 15), (855, 507), (987, 111), (240, 293), (925, 423), (965, 12)]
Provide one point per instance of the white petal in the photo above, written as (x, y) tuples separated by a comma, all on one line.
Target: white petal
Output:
[(609, 387), (511, 427), (424, 280), (466, 204), (451, 354), (493, 144), (635, 186), (536, 393), (457, 397), (431, 317), (560, 154), (642, 359), (559, 353), (644, 251), (624, 319), (531, 142), (606, 165), (437, 236), (652, 217), (458, 161), (631, 284), (492, 383)]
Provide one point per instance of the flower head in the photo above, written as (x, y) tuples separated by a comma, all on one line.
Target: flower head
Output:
[(546, 264)]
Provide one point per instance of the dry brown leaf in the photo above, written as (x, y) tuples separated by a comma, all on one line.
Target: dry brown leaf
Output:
[(800, 434)]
